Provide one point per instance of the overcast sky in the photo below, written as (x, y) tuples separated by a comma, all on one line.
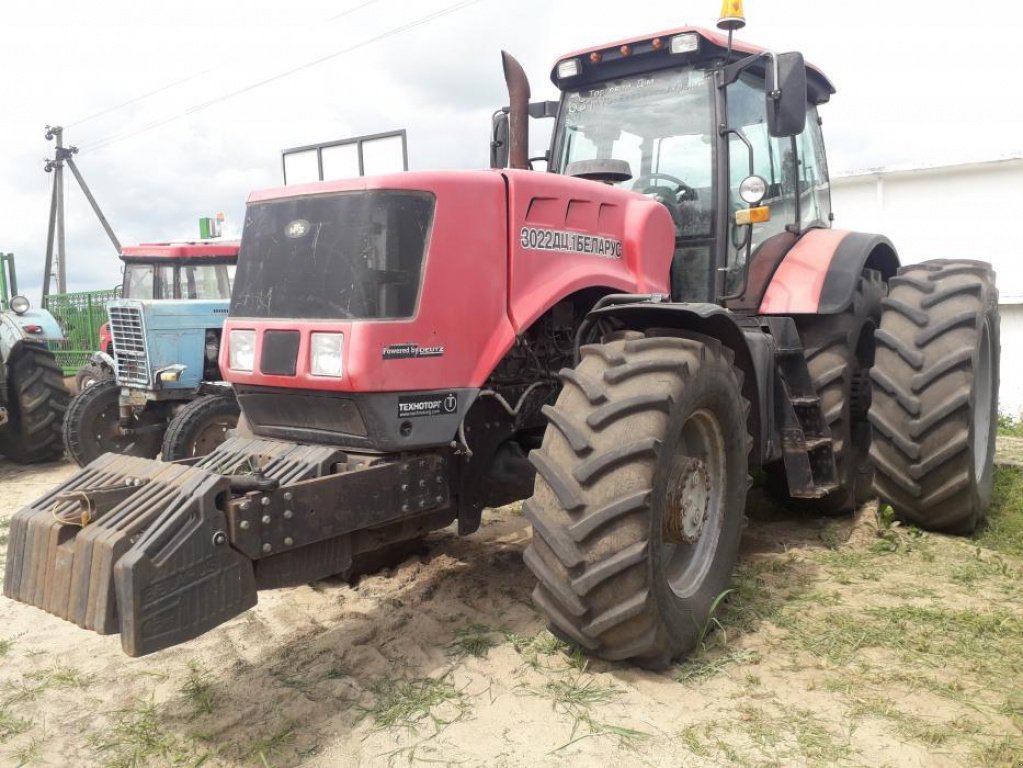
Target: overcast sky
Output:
[(917, 83)]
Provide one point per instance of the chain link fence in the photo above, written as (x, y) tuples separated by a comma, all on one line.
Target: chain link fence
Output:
[(80, 316)]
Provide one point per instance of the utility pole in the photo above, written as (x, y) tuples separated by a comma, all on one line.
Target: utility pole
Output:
[(61, 156)]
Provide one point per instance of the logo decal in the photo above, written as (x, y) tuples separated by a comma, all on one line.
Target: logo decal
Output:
[(410, 350), (414, 406), (533, 239), (297, 228)]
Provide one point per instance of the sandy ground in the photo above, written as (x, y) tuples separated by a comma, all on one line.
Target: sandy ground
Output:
[(844, 644)]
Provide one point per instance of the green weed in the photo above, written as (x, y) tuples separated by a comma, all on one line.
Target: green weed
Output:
[(11, 725), (408, 703), (476, 640), (1009, 425), (137, 738), (1004, 529), (197, 690)]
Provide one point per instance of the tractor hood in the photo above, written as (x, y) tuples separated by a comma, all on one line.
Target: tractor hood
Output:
[(420, 282)]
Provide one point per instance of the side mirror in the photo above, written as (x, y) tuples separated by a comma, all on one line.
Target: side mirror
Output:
[(786, 95), (499, 139)]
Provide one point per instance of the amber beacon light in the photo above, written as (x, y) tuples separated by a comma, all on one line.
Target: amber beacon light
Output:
[(732, 17)]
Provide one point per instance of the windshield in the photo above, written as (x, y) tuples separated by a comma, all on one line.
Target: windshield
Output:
[(661, 124), (138, 281), (349, 255), (205, 281)]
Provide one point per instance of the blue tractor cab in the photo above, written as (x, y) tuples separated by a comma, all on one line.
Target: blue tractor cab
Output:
[(167, 394)]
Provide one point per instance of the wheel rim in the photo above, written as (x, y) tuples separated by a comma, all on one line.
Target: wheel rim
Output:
[(212, 434), (105, 431), (983, 395), (693, 510)]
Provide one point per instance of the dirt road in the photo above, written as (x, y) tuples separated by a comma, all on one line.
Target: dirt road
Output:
[(845, 642)]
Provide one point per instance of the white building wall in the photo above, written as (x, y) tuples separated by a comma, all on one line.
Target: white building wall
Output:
[(967, 211)]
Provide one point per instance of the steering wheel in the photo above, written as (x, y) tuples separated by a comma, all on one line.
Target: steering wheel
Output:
[(681, 192), (666, 196)]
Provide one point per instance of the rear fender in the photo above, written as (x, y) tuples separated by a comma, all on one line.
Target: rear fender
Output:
[(12, 329), (751, 346), (819, 275)]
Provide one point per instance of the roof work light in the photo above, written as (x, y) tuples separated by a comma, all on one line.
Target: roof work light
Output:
[(732, 17)]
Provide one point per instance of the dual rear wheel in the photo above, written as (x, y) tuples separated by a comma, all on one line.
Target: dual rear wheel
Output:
[(641, 479)]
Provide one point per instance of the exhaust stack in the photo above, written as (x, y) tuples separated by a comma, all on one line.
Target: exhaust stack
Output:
[(518, 116)]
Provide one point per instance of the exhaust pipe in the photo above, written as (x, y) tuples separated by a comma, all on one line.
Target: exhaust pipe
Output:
[(518, 100)]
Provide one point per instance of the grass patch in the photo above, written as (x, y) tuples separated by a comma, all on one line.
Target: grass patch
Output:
[(5, 646), (705, 665), (11, 725), (1004, 529), (267, 748), (1010, 426), (28, 753), (61, 676), (534, 647), (574, 696), (1007, 752), (987, 644), (137, 738), (409, 703), (197, 690), (476, 640)]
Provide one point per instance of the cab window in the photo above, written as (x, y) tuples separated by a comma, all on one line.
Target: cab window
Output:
[(205, 281), (773, 159), (138, 281)]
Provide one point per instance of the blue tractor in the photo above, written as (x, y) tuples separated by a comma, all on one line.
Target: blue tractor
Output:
[(167, 395), (33, 397)]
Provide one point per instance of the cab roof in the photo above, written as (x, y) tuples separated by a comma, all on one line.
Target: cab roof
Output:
[(223, 250), (713, 45)]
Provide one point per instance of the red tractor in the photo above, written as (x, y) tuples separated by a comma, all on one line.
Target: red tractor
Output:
[(624, 340)]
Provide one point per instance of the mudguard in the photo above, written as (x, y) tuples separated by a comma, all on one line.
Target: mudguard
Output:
[(753, 353), (819, 274)]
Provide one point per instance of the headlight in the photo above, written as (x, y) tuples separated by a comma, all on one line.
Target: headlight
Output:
[(325, 354), (20, 305), (241, 350), (568, 68)]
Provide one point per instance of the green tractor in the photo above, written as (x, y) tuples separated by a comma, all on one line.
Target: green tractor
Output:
[(33, 396)]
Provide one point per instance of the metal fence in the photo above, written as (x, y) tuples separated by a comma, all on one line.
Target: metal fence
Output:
[(80, 316)]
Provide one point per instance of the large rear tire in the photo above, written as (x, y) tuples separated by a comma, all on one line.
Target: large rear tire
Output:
[(639, 498), (91, 426), (200, 426), (935, 401), (36, 402)]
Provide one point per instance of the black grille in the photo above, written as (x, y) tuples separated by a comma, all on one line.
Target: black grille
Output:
[(128, 331), (280, 352)]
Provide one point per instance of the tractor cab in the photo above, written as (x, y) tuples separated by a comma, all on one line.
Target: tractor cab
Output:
[(725, 135), (193, 270)]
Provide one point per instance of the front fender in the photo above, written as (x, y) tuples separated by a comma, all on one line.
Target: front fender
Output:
[(750, 345)]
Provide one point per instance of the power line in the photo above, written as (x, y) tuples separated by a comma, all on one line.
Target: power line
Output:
[(454, 8), (195, 76)]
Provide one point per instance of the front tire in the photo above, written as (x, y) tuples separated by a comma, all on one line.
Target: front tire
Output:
[(200, 426), (638, 505), (935, 402), (90, 373), (36, 402), (91, 426)]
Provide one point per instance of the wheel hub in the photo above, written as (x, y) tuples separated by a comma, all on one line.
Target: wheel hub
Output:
[(688, 503)]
